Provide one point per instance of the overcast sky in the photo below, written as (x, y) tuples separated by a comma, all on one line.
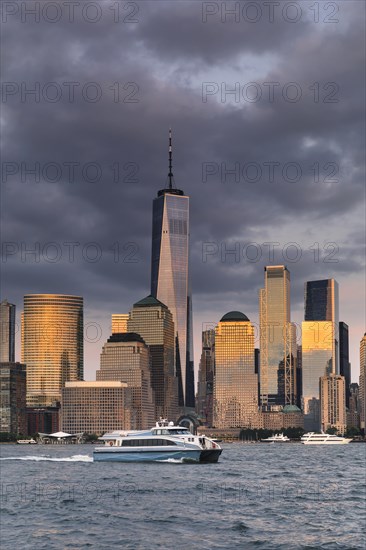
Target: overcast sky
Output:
[(106, 92)]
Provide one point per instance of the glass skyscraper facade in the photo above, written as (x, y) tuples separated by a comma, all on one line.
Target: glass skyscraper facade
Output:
[(170, 282), (52, 345), (319, 345), (236, 383), (344, 364), (277, 339), (7, 332), (204, 398)]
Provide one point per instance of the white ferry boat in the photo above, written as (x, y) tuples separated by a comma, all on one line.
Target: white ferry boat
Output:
[(312, 438), (276, 438), (26, 442), (164, 442)]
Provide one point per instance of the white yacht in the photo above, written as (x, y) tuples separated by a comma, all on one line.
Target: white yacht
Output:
[(312, 438), (276, 438), (26, 441), (164, 442)]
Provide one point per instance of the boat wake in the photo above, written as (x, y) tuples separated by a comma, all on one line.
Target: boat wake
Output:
[(74, 458)]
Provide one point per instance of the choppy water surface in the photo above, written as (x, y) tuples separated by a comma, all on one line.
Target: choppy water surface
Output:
[(258, 496)]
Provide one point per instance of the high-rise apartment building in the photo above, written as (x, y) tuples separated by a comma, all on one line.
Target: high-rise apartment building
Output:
[(236, 383), (119, 323), (277, 339), (126, 358), (7, 332), (170, 280), (204, 398), (13, 398), (153, 321), (344, 364), (52, 345), (332, 388), (319, 345), (362, 389), (96, 407)]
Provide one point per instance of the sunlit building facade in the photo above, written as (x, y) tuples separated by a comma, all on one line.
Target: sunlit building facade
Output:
[(153, 321), (332, 390), (126, 358), (362, 380), (7, 332), (204, 398), (96, 407), (277, 339), (52, 345), (170, 279), (236, 383), (119, 322)]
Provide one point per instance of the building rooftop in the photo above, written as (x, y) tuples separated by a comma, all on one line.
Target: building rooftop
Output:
[(125, 337), (234, 316), (149, 301), (291, 409)]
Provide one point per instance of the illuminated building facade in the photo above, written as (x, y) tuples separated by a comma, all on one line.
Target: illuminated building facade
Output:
[(332, 390), (96, 407), (277, 339), (170, 281), (52, 345), (126, 358), (119, 322), (153, 321), (7, 332), (236, 383)]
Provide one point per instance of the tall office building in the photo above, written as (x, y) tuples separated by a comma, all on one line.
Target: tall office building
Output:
[(13, 398), (332, 389), (7, 332), (344, 364), (52, 344), (204, 399), (319, 345), (119, 322), (170, 281), (236, 383), (277, 339), (153, 321), (363, 383), (126, 358)]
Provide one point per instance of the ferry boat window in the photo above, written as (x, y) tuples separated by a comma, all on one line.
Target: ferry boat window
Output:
[(146, 442)]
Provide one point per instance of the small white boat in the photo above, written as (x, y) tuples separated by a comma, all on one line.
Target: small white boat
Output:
[(164, 442), (276, 438), (27, 441), (312, 438)]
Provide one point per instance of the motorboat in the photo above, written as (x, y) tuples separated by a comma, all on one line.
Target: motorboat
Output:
[(164, 442), (276, 438), (27, 441), (312, 438)]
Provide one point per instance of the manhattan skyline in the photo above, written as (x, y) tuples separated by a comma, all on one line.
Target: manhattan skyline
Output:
[(117, 216)]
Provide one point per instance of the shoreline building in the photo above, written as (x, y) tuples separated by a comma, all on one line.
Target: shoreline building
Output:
[(13, 398), (278, 348), (153, 321), (319, 345), (126, 358), (95, 407), (52, 345), (332, 390), (7, 332), (236, 383), (170, 277), (362, 385), (344, 364), (204, 399)]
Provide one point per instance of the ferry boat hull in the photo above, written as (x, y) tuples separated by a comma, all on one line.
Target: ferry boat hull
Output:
[(117, 455)]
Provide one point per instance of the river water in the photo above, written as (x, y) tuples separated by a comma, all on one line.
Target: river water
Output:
[(258, 496)]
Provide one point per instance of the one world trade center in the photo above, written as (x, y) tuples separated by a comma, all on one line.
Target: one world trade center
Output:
[(170, 281)]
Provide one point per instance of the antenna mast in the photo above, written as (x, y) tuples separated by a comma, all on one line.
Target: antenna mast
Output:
[(170, 174)]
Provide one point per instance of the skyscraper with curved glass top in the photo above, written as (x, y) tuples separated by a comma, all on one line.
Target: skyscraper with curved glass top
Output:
[(170, 281)]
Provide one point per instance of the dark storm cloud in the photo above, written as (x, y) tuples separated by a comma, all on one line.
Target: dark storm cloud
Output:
[(167, 55)]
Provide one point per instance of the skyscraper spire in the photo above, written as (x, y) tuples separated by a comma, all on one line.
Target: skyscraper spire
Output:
[(170, 174)]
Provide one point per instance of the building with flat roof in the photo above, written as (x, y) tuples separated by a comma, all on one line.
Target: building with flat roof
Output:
[(13, 398), (7, 332), (96, 407), (332, 389), (119, 322)]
